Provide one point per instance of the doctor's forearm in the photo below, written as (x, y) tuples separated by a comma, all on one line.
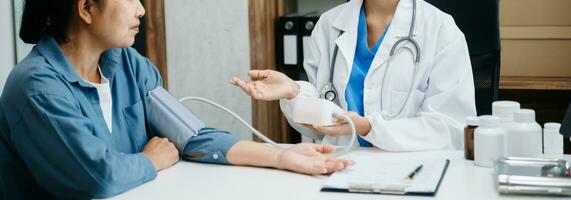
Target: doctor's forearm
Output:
[(253, 154)]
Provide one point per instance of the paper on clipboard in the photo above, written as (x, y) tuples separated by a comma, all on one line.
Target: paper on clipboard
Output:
[(373, 174)]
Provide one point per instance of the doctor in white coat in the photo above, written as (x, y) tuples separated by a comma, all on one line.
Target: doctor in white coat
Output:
[(414, 98)]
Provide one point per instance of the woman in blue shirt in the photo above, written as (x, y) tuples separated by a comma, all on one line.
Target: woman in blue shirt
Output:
[(72, 115)]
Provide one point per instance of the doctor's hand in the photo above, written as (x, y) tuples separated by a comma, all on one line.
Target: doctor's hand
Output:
[(161, 152), (310, 158), (342, 127), (267, 85)]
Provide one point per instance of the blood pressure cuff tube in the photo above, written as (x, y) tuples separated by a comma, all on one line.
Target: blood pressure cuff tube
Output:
[(171, 119)]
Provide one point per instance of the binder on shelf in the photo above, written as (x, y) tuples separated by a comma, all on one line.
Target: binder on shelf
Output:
[(287, 50), (308, 24), (292, 39)]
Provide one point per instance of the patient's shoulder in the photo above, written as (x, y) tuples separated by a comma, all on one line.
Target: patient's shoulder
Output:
[(35, 75)]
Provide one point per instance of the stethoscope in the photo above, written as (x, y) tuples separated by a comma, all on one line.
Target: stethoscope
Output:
[(329, 91)]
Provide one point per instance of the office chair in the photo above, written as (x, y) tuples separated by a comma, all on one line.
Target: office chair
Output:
[(566, 123), (479, 20)]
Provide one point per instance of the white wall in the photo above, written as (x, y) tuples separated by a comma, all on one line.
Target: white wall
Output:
[(7, 54), (207, 43), (22, 49)]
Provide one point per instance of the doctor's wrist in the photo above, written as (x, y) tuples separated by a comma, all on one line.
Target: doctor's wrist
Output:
[(294, 91), (363, 126)]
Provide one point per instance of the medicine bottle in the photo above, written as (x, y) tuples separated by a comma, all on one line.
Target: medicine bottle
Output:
[(489, 141), (524, 135), (471, 125), (552, 140)]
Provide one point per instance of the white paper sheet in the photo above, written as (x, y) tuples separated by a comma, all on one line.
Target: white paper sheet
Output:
[(374, 170)]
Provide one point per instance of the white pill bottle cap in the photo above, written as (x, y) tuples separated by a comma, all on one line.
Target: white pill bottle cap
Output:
[(505, 110), (472, 121), (489, 121), (552, 127), (524, 116)]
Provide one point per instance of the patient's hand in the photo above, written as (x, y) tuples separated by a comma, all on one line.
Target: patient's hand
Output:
[(310, 159), (161, 152), (267, 85)]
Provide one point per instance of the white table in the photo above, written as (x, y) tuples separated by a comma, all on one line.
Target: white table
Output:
[(188, 180)]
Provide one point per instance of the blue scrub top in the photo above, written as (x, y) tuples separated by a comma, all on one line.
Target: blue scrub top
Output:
[(361, 64), (54, 142)]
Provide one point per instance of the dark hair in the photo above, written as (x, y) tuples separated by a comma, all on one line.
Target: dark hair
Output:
[(46, 17)]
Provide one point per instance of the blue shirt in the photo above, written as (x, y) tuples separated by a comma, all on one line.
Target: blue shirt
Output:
[(361, 64), (54, 142)]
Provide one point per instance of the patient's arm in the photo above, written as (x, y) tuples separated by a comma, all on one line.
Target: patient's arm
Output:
[(221, 147), (303, 158)]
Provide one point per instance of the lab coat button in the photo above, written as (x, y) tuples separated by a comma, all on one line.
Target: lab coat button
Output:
[(215, 156)]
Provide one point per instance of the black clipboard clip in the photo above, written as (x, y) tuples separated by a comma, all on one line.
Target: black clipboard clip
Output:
[(382, 189)]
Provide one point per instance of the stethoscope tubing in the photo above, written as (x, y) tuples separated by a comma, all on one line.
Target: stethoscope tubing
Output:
[(329, 88)]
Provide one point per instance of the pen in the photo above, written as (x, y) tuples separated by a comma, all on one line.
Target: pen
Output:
[(414, 172)]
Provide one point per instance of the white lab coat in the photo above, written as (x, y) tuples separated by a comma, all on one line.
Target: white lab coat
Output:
[(443, 94)]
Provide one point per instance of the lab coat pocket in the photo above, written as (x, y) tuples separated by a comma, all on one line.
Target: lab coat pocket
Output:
[(411, 108), (135, 118)]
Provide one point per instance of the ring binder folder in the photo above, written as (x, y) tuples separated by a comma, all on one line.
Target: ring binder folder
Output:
[(293, 33), (308, 23), (287, 44)]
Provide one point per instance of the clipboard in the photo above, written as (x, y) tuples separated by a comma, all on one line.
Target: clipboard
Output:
[(341, 181)]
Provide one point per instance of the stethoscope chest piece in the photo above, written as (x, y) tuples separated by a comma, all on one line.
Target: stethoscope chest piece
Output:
[(330, 95), (329, 92)]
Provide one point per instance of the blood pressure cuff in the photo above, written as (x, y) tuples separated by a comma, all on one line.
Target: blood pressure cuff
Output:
[(170, 119)]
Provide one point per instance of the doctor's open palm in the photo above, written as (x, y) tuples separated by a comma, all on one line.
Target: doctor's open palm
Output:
[(267, 85)]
